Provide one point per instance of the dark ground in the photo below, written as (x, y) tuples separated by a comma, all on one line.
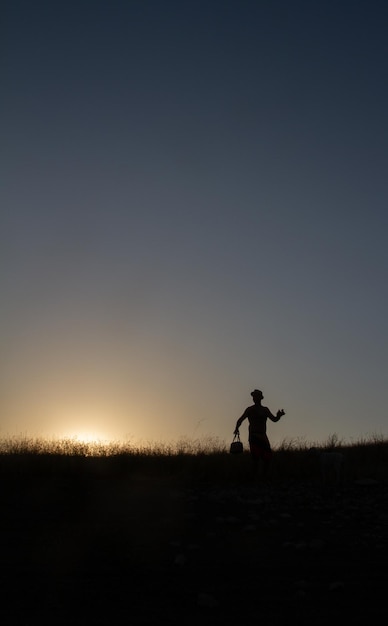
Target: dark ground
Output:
[(145, 551)]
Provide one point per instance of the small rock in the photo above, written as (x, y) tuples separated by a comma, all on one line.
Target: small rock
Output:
[(249, 528), (180, 559), (338, 585), (207, 601), (316, 544), (302, 585)]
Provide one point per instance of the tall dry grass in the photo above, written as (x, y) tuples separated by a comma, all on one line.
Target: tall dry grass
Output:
[(205, 459)]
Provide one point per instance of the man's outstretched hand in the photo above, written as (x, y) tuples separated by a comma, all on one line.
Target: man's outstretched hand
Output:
[(280, 413)]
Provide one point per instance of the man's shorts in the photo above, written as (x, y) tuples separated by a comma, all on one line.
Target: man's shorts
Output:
[(260, 447)]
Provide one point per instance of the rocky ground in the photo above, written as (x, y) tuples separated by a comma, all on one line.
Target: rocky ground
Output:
[(147, 551)]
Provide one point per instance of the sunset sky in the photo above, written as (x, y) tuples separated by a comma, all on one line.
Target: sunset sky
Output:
[(194, 204)]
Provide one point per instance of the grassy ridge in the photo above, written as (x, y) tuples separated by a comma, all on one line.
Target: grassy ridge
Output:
[(197, 459)]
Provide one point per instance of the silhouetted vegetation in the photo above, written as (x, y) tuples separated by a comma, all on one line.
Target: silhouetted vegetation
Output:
[(92, 532), (188, 459)]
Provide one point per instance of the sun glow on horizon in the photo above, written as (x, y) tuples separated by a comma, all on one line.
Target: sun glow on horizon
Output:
[(87, 437), (83, 424)]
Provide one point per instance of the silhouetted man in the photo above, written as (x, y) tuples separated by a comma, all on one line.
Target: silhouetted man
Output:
[(259, 445)]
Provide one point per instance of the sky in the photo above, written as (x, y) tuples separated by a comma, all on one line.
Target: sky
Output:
[(194, 205)]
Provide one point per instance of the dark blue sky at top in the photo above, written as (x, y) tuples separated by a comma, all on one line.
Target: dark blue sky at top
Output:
[(211, 175)]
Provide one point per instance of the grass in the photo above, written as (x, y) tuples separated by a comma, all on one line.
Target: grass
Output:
[(91, 531), (206, 459)]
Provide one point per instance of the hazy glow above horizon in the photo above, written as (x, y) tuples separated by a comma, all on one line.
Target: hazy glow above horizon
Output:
[(86, 437)]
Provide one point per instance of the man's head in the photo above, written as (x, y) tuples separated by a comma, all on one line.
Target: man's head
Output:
[(257, 395)]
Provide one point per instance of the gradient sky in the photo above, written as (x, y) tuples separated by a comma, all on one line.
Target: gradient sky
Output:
[(194, 204)]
